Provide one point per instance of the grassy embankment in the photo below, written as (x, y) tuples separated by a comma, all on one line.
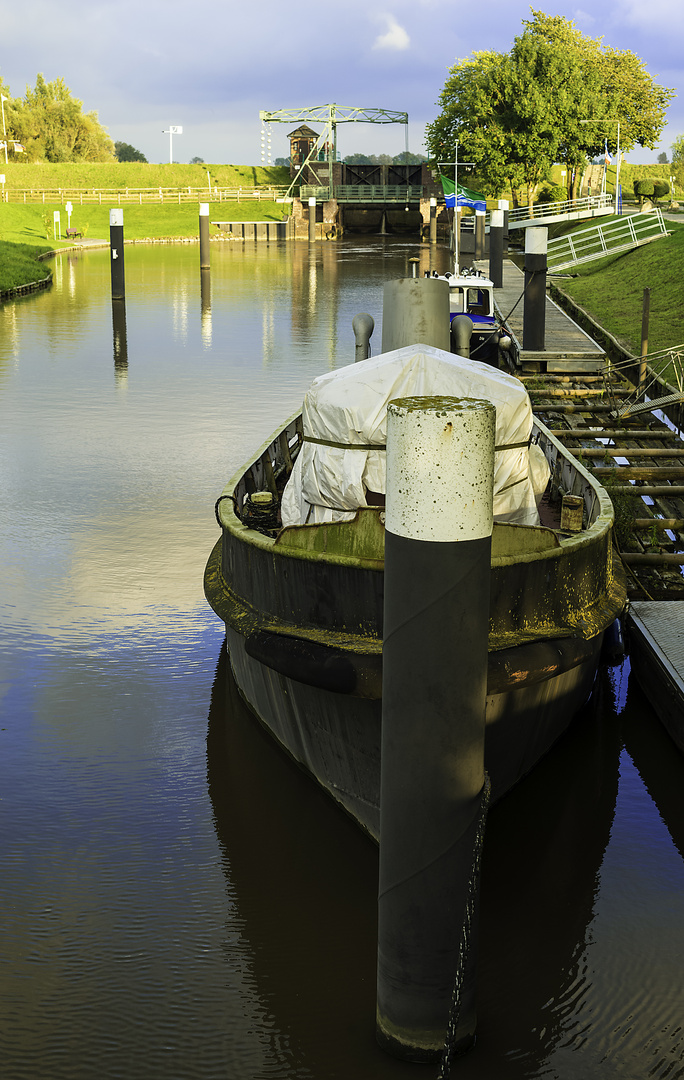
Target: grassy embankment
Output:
[(134, 174), (26, 229), (611, 290)]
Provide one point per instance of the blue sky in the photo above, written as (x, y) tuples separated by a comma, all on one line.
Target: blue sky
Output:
[(146, 64)]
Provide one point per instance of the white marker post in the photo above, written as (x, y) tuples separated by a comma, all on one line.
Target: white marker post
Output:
[(116, 244), (205, 260), (438, 529), (534, 307)]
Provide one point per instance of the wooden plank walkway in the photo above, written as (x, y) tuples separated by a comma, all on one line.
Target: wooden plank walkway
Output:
[(568, 347), (657, 637)]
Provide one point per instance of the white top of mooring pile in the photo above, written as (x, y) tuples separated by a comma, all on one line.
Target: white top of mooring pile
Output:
[(440, 468)]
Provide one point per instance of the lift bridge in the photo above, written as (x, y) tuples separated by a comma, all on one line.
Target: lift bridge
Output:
[(330, 116)]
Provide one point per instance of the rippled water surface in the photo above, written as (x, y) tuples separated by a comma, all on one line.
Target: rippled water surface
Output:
[(178, 900)]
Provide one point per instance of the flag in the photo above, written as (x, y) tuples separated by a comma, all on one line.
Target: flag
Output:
[(607, 155), (466, 197), (449, 188), (473, 199), (19, 149)]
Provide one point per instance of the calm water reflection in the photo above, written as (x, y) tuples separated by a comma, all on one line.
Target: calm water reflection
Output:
[(178, 900)]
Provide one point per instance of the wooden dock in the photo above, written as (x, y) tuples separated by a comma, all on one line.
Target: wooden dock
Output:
[(656, 633), (568, 347), (637, 452)]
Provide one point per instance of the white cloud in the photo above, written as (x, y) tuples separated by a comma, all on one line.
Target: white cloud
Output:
[(394, 38)]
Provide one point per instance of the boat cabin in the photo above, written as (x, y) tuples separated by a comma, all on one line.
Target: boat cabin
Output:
[(471, 293)]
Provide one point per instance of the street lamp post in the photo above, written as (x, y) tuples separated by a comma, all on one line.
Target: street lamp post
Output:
[(618, 193), (171, 131)]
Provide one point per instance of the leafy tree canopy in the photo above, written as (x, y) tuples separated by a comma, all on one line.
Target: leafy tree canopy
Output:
[(515, 114), (125, 152), (678, 150), (52, 126), (197, 161)]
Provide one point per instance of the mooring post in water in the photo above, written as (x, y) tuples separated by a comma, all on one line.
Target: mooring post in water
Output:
[(312, 219), (433, 221), (415, 310), (503, 205), (116, 245), (479, 234), (496, 233), (534, 310), (438, 527), (363, 326), (205, 261)]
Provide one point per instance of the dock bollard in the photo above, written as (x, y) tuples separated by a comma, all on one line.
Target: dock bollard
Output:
[(461, 333), (205, 260), (363, 326), (438, 527), (534, 308), (116, 254)]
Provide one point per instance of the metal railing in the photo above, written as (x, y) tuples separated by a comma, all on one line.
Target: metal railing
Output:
[(120, 196), (559, 209), (365, 193), (597, 241), (522, 214)]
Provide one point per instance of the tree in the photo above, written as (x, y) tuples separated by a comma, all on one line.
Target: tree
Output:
[(125, 152), (662, 159), (197, 161), (517, 113), (51, 125), (678, 150), (494, 107), (407, 158)]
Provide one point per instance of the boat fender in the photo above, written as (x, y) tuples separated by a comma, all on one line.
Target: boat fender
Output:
[(613, 648)]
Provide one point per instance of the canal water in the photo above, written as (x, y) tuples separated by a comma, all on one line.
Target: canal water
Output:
[(177, 899)]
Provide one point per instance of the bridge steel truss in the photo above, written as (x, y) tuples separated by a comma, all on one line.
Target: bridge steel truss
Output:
[(331, 115)]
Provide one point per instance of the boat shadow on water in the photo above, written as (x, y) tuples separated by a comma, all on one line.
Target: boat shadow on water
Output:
[(304, 879)]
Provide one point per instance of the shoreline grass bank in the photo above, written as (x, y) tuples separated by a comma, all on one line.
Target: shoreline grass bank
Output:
[(26, 230)]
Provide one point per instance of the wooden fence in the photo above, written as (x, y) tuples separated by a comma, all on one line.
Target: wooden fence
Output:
[(121, 196)]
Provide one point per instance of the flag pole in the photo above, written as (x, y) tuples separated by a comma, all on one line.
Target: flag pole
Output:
[(457, 221)]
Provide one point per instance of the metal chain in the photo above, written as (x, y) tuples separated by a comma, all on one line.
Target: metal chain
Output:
[(466, 934)]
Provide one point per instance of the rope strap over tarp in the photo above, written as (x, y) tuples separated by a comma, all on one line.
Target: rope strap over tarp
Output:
[(382, 446)]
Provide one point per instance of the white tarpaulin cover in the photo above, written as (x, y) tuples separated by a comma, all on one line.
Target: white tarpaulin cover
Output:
[(349, 407)]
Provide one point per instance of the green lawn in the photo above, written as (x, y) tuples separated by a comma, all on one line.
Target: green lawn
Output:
[(20, 266), (612, 289), (134, 174)]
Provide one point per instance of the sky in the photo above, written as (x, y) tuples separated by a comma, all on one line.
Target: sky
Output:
[(144, 65)]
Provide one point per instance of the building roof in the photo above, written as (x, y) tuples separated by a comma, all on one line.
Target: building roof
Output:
[(303, 132)]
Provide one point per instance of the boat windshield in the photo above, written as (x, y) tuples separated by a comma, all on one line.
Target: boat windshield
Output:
[(476, 300)]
